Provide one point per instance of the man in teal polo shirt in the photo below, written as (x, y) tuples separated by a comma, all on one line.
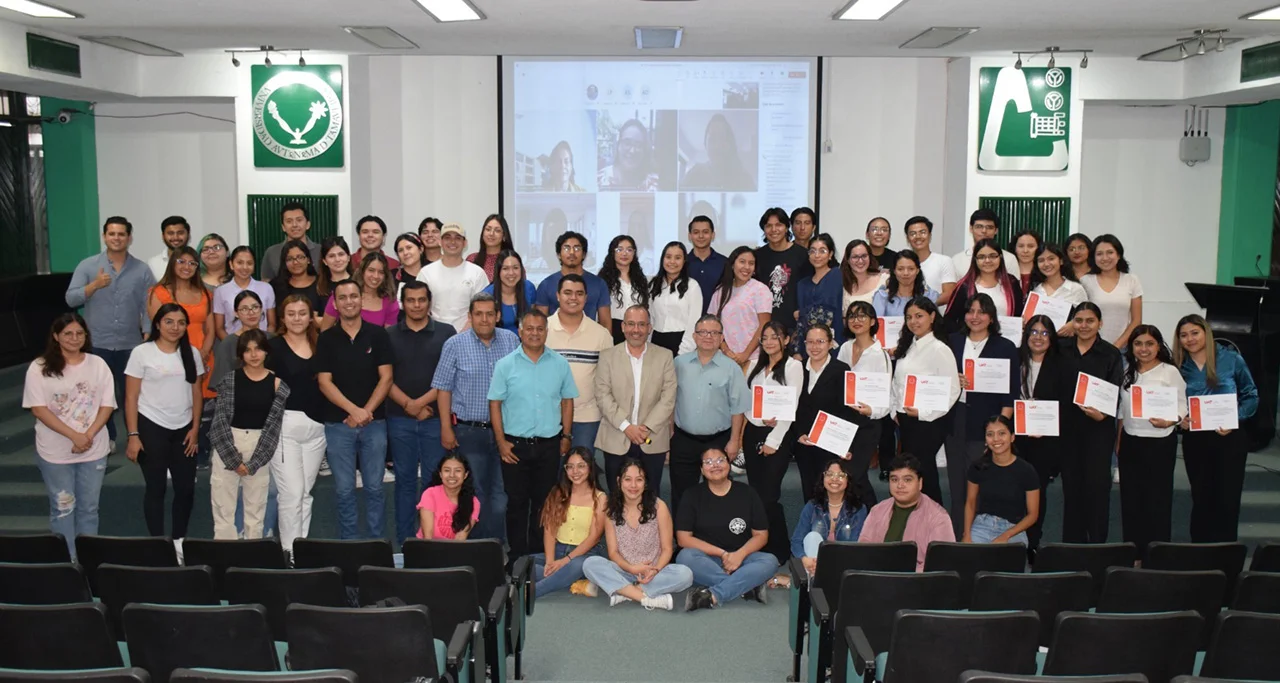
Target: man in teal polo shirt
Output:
[(531, 408)]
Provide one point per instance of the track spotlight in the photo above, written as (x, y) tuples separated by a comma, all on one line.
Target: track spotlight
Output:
[(1222, 46), (1052, 60), (1018, 64), (301, 61), (1200, 48), (1182, 50), (267, 61), (234, 61), (1084, 61)]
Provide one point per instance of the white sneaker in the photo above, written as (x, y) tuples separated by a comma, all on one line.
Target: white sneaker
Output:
[(618, 598), (359, 480), (111, 447), (324, 467), (660, 602), (388, 476), (1115, 476), (177, 548)]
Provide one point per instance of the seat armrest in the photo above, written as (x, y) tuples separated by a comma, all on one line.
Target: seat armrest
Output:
[(522, 575), (478, 653), (864, 658), (799, 575), (497, 603), (818, 603), (458, 651)]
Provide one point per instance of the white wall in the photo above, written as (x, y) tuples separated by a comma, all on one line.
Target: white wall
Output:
[(1164, 212), (150, 168)]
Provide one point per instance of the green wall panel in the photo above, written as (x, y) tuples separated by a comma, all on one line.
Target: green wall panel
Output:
[(71, 184), (1251, 147)]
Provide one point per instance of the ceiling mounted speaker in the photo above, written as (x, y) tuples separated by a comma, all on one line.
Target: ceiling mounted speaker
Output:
[(659, 37)]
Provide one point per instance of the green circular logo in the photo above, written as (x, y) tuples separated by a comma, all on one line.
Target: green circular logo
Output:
[(297, 115)]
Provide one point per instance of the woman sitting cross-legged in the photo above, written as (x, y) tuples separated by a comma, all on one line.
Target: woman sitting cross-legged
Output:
[(1004, 490), (572, 521), (449, 507), (639, 567), (834, 513), (721, 527)]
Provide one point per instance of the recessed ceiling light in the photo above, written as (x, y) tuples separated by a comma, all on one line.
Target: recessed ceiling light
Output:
[(1269, 14), (867, 10), (658, 37), (451, 10), (131, 45), (936, 37), (38, 9), (381, 37)]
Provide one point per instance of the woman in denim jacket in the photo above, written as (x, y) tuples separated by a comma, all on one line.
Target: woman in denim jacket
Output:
[(835, 512)]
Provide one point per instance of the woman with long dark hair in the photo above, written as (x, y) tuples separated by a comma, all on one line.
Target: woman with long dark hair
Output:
[(625, 278), (1116, 291), (335, 265), (162, 408), (242, 265), (449, 507), (744, 305), (863, 353), (819, 298), (1148, 446), (181, 284), (1214, 459), (512, 290), (214, 269), (572, 522), (378, 304), (1003, 490), (986, 276), (980, 340), (409, 250), (71, 395), (560, 170), (495, 238), (638, 536), (860, 275), (836, 509), (296, 275), (1026, 244), (906, 282), (675, 301), (1040, 378), (1052, 279), (1079, 250), (765, 444), (1086, 469), (922, 351)]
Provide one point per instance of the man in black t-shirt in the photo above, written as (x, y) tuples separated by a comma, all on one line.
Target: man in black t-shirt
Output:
[(780, 264), (721, 527)]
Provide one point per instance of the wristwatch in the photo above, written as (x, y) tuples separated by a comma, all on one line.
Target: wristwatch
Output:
[(567, 435)]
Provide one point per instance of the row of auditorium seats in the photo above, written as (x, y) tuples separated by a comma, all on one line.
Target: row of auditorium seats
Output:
[(139, 675)]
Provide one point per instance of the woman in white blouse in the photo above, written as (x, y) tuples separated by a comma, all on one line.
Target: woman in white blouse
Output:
[(625, 278), (675, 301), (764, 442), (1050, 281), (1116, 291), (1148, 446), (923, 352), (859, 274), (863, 353)]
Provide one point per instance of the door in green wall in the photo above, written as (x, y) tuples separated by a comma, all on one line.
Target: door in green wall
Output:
[(21, 192)]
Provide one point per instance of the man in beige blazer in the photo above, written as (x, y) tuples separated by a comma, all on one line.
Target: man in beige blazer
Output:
[(635, 384)]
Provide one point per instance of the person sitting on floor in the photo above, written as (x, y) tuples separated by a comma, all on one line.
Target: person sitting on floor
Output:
[(572, 522), (721, 527), (449, 507), (638, 536), (908, 514), (835, 512)]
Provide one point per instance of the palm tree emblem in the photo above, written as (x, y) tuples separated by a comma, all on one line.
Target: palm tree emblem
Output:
[(318, 111)]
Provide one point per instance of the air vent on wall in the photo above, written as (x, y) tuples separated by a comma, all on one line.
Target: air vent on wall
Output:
[(658, 37)]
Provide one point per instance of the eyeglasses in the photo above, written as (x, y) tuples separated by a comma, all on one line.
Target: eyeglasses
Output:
[(171, 322), (859, 316), (185, 262), (299, 258), (876, 230), (571, 248), (987, 257), (835, 475), (1038, 333), (212, 248), (712, 462), (859, 257), (817, 342), (918, 233), (707, 333), (624, 250), (573, 466), (251, 308), (819, 251), (72, 334)]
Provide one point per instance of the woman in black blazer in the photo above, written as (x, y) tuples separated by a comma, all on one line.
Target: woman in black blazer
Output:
[(1041, 378), (823, 389), (967, 441)]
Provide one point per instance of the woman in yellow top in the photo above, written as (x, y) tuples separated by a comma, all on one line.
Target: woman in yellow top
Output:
[(572, 523)]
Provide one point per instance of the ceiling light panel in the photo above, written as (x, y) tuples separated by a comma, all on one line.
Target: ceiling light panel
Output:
[(1269, 14), (658, 37), (936, 37), (38, 9), (867, 10), (450, 10), (131, 45), (381, 37)]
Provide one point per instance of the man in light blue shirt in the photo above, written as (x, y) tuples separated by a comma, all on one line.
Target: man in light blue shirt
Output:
[(112, 287), (462, 383), (531, 408), (711, 401)]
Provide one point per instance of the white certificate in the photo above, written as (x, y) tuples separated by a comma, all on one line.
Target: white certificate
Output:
[(1158, 402), (1011, 329), (1035, 418), (773, 403), (1058, 310), (928, 393), (832, 434), (987, 375), (1092, 392), (871, 388), (890, 329), (1216, 411)]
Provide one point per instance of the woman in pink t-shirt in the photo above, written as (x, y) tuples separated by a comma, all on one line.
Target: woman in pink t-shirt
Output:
[(449, 507), (744, 305)]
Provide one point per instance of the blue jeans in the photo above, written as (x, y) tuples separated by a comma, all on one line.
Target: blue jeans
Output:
[(986, 528), (365, 447), (812, 541), (74, 491), (415, 447), (757, 568), (481, 452), (565, 576), (269, 518), (584, 434), (116, 361), (606, 574)]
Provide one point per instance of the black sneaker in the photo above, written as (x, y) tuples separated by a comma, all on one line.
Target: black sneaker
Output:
[(698, 598), (760, 594)]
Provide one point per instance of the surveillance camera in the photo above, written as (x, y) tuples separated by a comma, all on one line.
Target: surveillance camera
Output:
[(64, 117)]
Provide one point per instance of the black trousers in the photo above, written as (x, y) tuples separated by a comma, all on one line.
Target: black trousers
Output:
[(1146, 488), (669, 341), (963, 449), (1086, 479), (1215, 466), (686, 460), (923, 439), (527, 484), (164, 454), (888, 446), (652, 464), (765, 474), (1043, 454)]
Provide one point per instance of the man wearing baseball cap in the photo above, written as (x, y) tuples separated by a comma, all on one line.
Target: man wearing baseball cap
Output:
[(453, 280)]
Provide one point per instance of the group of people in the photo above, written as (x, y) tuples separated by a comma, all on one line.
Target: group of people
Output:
[(490, 397)]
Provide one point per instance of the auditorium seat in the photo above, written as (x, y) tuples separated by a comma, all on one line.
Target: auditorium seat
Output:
[(120, 585), (141, 551), (165, 637), (1094, 558), (37, 548), (967, 559), (1048, 595), (349, 555), (1132, 591), (1246, 646), (43, 584), (384, 645), (53, 637), (261, 553), (956, 641), (276, 589), (1159, 646), (450, 596)]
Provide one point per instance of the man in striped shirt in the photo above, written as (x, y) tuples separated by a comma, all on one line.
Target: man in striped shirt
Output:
[(580, 340)]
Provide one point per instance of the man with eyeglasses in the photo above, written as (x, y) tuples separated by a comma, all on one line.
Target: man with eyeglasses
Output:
[(878, 233), (705, 264), (295, 222), (579, 339), (939, 272), (453, 280), (984, 224), (711, 405), (780, 264), (531, 409), (176, 233), (635, 386), (571, 248)]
